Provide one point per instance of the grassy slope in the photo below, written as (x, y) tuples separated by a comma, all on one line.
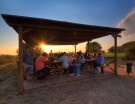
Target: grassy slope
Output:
[(8, 81)]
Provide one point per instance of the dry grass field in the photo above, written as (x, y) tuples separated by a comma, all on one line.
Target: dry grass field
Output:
[(7, 59), (98, 90)]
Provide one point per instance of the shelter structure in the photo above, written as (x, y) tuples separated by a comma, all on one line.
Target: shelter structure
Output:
[(52, 32)]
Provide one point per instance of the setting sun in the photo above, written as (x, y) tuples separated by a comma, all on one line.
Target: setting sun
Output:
[(48, 48), (61, 48), (45, 48)]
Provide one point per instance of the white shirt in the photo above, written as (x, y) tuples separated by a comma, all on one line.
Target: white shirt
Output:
[(70, 58), (64, 59)]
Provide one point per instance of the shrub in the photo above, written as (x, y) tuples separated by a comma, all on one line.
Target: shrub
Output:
[(130, 53)]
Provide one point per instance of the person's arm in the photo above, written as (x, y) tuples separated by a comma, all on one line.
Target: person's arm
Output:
[(59, 59)]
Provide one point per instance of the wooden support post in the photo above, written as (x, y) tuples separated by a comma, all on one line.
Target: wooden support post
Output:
[(88, 46), (75, 49), (115, 55), (20, 70)]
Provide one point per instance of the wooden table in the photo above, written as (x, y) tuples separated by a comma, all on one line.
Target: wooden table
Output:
[(89, 64), (55, 66)]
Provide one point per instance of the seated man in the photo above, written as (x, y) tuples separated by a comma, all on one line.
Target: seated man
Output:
[(65, 62), (99, 61), (76, 68), (28, 65), (40, 69)]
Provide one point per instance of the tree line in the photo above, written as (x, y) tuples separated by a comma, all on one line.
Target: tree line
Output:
[(127, 48)]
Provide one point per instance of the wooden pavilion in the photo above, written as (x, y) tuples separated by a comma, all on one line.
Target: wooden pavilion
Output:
[(36, 30)]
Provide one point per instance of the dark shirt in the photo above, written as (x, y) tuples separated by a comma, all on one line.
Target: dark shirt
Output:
[(27, 59), (25, 56)]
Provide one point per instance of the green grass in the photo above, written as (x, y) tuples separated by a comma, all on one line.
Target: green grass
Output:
[(111, 55)]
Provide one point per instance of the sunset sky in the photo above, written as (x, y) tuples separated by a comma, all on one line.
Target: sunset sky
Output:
[(110, 13)]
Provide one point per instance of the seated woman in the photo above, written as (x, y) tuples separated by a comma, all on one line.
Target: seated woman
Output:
[(70, 61), (75, 66), (94, 56), (87, 55), (81, 59), (40, 68)]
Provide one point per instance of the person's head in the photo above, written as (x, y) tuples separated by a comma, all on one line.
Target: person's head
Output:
[(99, 54), (70, 54), (37, 54), (44, 54), (50, 51), (64, 53), (27, 51), (78, 53), (88, 54), (86, 51), (94, 54)]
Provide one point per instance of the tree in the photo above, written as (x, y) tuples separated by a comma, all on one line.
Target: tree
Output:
[(127, 45), (119, 49), (37, 49), (130, 52), (94, 47), (32, 49), (111, 49)]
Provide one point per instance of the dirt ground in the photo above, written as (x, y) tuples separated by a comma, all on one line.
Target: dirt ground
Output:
[(99, 90)]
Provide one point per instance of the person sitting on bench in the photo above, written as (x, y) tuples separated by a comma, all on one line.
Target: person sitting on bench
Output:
[(41, 70), (99, 61), (28, 65), (65, 62)]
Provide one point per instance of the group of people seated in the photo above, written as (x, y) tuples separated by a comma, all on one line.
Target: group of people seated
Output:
[(36, 66), (69, 65)]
